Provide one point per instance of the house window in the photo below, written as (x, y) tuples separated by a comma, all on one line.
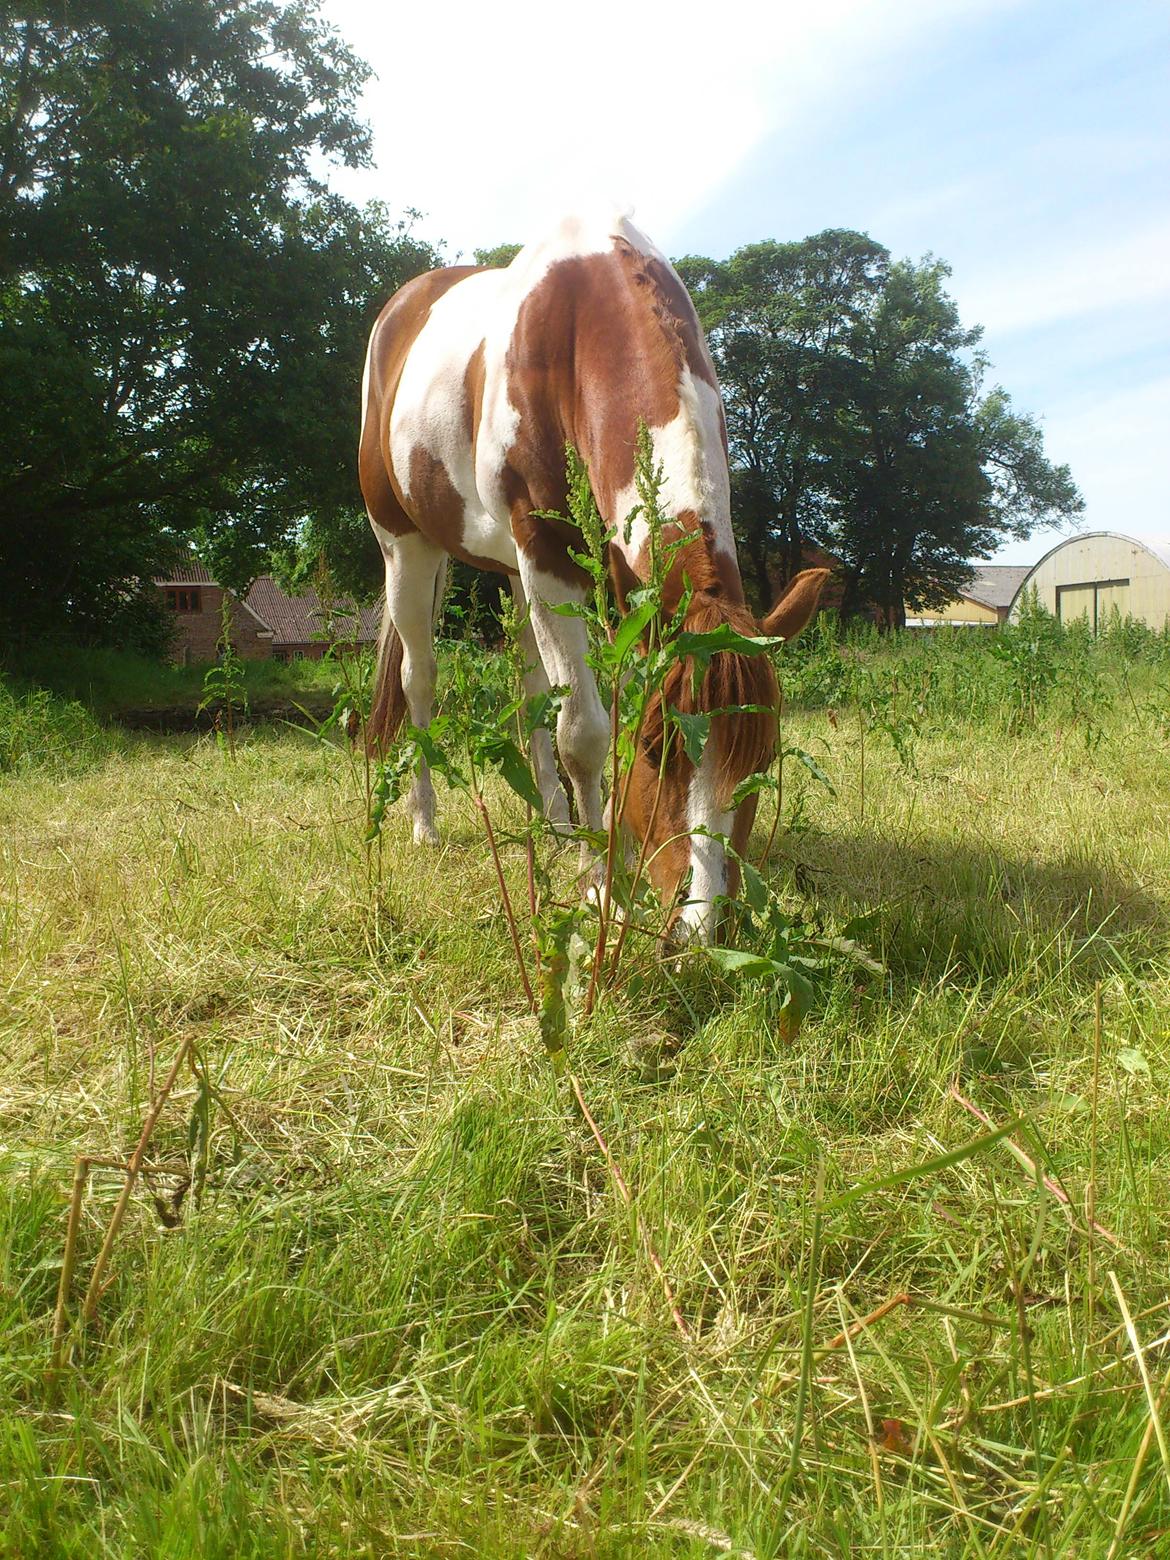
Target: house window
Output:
[(184, 599)]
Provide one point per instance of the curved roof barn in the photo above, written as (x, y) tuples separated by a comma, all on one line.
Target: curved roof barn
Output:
[(1093, 574)]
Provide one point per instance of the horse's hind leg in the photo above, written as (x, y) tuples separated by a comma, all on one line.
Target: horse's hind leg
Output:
[(415, 574), (556, 805)]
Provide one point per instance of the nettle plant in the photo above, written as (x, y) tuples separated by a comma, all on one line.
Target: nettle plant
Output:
[(578, 947), (225, 687)]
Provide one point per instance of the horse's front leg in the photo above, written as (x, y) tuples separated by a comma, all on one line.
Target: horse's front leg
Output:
[(556, 803), (582, 725)]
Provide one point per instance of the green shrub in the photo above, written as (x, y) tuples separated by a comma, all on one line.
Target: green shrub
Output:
[(38, 730)]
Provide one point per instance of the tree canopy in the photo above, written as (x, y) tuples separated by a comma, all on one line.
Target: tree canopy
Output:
[(498, 254), (183, 302), (184, 305), (857, 418)]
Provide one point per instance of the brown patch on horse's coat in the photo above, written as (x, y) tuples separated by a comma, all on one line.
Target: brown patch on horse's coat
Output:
[(473, 394), (433, 494), (600, 345), (395, 332)]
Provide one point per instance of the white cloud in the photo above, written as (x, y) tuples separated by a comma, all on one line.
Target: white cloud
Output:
[(494, 120), (1113, 446), (1061, 282)]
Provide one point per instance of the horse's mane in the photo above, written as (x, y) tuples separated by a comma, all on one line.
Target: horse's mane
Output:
[(742, 740)]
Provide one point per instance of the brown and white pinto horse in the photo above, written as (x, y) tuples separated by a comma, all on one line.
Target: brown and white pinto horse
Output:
[(475, 381)]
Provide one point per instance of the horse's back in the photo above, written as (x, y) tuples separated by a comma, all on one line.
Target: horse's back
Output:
[(477, 378)]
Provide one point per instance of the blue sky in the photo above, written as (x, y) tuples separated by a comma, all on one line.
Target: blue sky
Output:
[(1026, 142)]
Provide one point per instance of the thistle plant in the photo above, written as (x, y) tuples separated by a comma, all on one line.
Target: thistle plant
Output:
[(486, 723), (224, 687)]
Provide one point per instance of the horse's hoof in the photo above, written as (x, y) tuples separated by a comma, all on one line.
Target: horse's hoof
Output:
[(425, 833)]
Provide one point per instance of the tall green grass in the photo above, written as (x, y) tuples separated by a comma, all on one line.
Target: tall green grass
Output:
[(39, 730), (111, 682), (410, 1313)]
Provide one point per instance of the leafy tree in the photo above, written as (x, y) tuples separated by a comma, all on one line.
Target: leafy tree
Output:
[(499, 254), (183, 304), (857, 418), (775, 315)]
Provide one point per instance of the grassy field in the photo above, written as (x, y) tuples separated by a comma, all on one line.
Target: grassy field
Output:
[(110, 683), (410, 1313)]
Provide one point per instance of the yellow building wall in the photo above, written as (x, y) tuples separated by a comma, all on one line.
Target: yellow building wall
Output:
[(1083, 561), (957, 611)]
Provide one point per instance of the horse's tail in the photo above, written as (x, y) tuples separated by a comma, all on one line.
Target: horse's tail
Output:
[(388, 705)]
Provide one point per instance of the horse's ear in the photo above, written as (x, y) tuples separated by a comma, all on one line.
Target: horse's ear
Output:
[(797, 605)]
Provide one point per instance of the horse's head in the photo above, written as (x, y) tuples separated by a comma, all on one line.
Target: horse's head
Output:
[(673, 806)]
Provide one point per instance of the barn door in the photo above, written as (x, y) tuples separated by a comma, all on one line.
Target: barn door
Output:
[(1114, 593), (1077, 601), (1094, 601)]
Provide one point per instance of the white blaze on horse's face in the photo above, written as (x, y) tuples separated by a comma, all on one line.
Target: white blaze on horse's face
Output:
[(709, 824), (475, 381)]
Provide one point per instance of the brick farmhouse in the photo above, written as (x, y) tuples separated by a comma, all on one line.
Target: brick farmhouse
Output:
[(267, 623)]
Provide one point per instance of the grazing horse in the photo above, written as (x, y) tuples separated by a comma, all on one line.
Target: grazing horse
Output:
[(475, 380)]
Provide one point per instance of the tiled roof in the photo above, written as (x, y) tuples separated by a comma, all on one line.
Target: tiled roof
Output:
[(299, 620), (995, 584), (187, 571), (292, 620)]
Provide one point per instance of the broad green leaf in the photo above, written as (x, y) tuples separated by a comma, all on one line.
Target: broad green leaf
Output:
[(630, 629), (1133, 1061), (737, 961), (702, 646), (540, 708), (859, 955), (513, 766), (763, 781), (695, 729), (812, 766), (424, 739), (755, 890)]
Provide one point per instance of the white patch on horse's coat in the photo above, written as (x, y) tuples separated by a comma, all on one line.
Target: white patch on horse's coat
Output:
[(690, 450), (429, 409), (414, 568), (708, 856), (556, 803)]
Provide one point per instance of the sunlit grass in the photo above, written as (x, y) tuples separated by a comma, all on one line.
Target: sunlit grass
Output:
[(412, 1316)]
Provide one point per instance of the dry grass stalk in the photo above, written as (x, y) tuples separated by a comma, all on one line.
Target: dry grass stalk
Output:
[(627, 1197), (94, 1292), (1032, 1168), (859, 1326), (1154, 1403), (69, 1258)]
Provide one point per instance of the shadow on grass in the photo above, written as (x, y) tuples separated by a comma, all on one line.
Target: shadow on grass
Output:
[(940, 907)]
